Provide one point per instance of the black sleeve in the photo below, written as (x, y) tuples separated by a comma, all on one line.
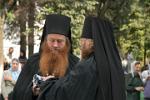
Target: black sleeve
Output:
[(76, 85)]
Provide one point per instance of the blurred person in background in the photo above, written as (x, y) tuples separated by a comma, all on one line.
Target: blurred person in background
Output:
[(8, 58), (146, 81), (22, 58), (10, 77), (134, 83)]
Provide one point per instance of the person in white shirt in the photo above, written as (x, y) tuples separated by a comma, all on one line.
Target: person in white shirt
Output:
[(146, 81)]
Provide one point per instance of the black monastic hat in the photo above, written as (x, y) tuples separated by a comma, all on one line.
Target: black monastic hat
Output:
[(87, 28), (59, 24)]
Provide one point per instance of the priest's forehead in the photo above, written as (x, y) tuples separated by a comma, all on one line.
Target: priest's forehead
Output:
[(86, 39), (56, 36)]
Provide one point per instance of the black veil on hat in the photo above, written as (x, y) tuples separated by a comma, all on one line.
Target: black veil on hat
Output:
[(110, 73), (58, 24)]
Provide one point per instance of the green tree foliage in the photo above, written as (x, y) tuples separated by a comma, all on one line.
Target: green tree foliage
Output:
[(117, 12), (147, 27), (136, 30)]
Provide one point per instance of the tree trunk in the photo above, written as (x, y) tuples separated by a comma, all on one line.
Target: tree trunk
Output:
[(1, 38), (145, 53), (22, 34), (31, 19), (2, 17), (22, 24)]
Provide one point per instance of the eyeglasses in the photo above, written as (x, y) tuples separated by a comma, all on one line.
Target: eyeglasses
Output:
[(56, 40), (87, 41)]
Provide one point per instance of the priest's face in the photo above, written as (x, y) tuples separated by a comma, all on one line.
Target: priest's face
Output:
[(86, 47), (54, 56), (56, 42)]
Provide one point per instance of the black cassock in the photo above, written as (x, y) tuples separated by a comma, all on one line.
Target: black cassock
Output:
[(79, 84), (25, 79)]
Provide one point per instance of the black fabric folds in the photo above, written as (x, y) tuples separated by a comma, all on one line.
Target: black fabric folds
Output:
[(111, 77), (79, 84)]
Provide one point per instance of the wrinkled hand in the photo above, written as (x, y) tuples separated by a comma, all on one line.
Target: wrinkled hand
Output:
[(35, 90), (140, 88), (7, 78)]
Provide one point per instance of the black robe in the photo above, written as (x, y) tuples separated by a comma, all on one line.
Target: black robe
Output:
[(110, 72), (79, 84), (26, 75)]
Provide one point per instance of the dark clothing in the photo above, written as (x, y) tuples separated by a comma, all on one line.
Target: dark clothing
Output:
[(22, 57), (22, 60), (147, 89), (146, 98), (1, 97), (26, 76), (133, 81), (110, 72), (6, 66), (79, 84)]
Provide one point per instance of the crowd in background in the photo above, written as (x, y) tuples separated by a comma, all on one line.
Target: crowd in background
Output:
[(137, 78), (12, 69)]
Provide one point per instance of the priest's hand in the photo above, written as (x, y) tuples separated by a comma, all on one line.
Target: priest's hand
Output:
[(35, 90), (44, 78)]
